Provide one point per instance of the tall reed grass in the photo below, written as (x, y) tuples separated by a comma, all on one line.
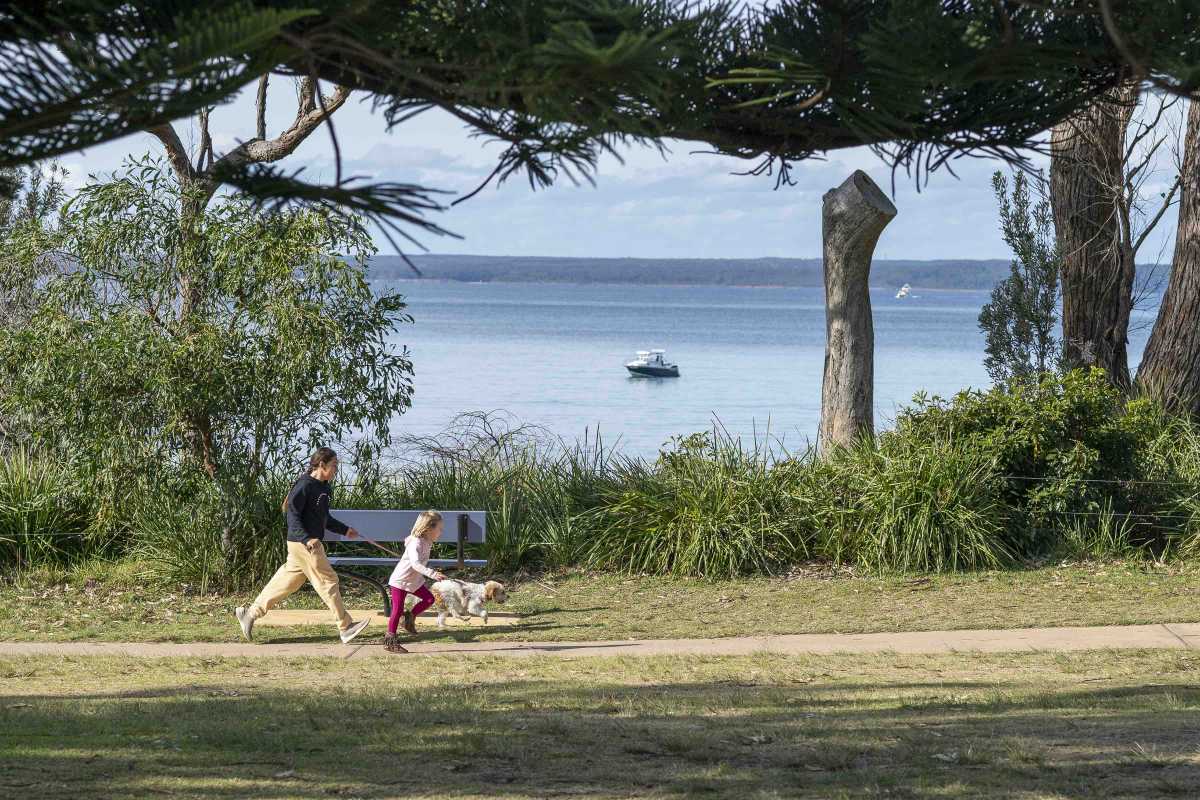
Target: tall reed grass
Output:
[(977, 482), (706, 507), (915, 506), (44, 513)]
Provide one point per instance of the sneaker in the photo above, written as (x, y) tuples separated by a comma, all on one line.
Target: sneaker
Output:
[(354, 630), (392, 643), (246, 620), (410, 622)]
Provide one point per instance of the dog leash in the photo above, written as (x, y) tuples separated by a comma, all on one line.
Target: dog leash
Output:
[(389, 551), (392, 553), (374, 543)]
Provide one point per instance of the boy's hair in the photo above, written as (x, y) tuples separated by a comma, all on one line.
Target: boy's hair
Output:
[(426, 522), (320, 458)]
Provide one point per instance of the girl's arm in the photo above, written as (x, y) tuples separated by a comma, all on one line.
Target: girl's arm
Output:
[(412, 549)]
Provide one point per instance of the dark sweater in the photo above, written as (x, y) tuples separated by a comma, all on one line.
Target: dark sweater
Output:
[(308, 510)]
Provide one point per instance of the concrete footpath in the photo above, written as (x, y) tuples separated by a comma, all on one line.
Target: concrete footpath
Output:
[(1169, 636)]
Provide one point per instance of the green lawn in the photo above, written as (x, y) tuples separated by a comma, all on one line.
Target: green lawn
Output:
[(114, 605), (1026, 725)]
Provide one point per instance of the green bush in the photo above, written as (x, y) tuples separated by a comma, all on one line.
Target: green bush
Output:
[(706, 507), (912, 506), (188, 530), (44, 514), (1065, 467), (1103, 535), (1068, 447), (181, 542)]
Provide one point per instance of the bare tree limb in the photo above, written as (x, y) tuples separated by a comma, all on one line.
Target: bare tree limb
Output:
[(261, 107), (337, 150), (306, 102), (206, 146), (1167, 203), (308, 117), (1146, 128), (1136, 173), (176, 153)]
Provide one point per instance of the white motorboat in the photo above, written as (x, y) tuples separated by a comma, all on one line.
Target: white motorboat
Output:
[(904, 292), (652, 364)]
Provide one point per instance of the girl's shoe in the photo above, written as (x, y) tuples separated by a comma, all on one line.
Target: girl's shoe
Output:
[(392, 643), (410, 623)]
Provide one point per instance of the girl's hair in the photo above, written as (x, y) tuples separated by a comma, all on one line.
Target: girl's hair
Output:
[(426, 522), (320, 458)]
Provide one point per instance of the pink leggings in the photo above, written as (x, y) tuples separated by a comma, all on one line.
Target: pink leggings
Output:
[(398, 595)]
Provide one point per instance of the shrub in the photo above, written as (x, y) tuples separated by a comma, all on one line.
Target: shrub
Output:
[(43, 514), (1066, 446), (706, 507), (909, 505), (180, 542), (1103, 535), (188, 530)]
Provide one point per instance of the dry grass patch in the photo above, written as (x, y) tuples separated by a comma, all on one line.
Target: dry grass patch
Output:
[(108, 606), (1120, 725)]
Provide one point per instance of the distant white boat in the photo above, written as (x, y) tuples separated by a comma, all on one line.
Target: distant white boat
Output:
[(653, 364), (905, 291)]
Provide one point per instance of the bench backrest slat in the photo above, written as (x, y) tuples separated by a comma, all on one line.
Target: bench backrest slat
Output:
[(394, 526)]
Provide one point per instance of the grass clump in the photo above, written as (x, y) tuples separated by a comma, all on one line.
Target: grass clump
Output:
[(705, 507), (916, 506), (44, 520)]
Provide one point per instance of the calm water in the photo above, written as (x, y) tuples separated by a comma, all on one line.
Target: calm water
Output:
[(552, 355)]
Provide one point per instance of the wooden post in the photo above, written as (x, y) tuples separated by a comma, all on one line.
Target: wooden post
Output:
[(852, 217), (463, 521)]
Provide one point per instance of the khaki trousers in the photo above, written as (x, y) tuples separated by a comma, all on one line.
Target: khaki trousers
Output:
[(304, 565)]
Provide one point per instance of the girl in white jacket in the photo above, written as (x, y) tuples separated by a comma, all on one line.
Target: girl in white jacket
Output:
[(409, 576)]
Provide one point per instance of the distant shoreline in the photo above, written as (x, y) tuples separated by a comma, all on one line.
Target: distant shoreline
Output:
[(414, 279), (962, 274), (756, 273)]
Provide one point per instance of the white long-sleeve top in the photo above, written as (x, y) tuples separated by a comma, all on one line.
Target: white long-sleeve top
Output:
[(410, 572)]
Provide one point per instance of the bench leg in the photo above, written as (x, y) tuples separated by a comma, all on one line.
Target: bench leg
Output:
[(381, 588)]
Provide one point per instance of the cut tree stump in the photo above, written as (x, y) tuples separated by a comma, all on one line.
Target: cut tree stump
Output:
[(852, 217)]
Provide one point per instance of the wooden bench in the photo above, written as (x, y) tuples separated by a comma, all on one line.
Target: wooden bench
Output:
[(461, 528)]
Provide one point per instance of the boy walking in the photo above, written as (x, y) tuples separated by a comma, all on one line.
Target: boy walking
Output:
[(307, 510)]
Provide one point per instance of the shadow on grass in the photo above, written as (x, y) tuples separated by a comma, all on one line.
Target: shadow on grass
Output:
[(428, 633), (539, 738), (557, 611), (477, 632)]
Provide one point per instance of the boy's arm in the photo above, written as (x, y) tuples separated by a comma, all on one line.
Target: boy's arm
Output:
[(336, 525)]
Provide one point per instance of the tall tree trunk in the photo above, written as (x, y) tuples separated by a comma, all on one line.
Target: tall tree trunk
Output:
[(1170, 369), (1087, 178), (852, 217)]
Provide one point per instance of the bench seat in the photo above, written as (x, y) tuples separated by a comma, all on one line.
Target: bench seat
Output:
[(437, 563), (392, 527)]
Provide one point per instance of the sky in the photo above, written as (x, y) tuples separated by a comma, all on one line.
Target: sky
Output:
[(684, 205)]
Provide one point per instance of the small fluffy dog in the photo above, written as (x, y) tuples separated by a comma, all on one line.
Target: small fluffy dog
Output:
[(463, 600)]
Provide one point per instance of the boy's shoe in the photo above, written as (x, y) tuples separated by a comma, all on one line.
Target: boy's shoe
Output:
[(410, 622), (246, 620), (354, 630), (392, 643)]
